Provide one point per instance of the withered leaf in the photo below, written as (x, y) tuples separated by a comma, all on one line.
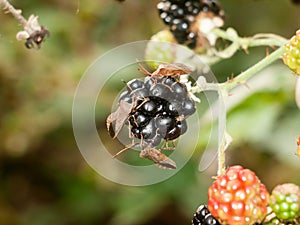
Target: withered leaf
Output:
[(117, 119), (160, 159)]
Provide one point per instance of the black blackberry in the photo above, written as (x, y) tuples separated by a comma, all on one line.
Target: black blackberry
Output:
[(136, 132), (173, 108), (138, 119), (148, 131), (210, 220), (296, 1), (160, 108), (149, 82), (135, 84), (204, 217), (149, 107), (125, 96), (179, 89), (188, 107), (139, 93), (182, 15), (160, 90), (164, 124)]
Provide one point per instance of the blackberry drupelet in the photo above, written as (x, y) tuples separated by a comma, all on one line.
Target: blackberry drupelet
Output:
[(184, 18), (161, 106), (204, 217), (291, 56)]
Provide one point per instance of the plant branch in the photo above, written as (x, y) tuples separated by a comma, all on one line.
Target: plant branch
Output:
[(257, 40), (224, 139), (17, 13), (244, 76), (221, 131), (245, 42)]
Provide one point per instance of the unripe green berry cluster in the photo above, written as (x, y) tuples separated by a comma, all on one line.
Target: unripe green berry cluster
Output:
[(285, 202), (291, 56)]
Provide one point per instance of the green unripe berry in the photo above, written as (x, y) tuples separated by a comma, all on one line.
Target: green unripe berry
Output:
[(291, 56), (285, 202)]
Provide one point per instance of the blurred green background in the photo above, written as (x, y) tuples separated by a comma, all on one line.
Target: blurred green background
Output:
[(44, 180)]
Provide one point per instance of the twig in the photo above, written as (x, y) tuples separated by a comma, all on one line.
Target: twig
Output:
[(17, 13), (245, 42), (244, 76), (33, 34), (224, 139)]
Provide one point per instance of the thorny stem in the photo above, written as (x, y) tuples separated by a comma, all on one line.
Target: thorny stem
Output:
[(238, 43), (17, 13), (221, 133), (245, 42), (272, 40), (244, 76)]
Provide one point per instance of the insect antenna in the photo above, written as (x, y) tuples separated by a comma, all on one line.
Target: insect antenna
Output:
[(143, 69)]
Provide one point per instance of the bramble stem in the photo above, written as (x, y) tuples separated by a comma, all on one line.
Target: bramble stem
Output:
[(17, 13), (221, 133), (230, 34), (245, 42), (244, 76)]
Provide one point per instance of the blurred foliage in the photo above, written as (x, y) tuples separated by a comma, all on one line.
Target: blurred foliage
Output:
[(43, 177)]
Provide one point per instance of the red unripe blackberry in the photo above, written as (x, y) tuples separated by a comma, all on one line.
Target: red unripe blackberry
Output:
[(238, 197)]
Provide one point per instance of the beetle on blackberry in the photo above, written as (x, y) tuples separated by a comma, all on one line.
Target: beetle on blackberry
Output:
[(158, 107)]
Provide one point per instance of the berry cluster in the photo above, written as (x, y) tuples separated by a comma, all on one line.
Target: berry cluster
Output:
[(291, 56), (285, 202), (204, 217), (238, 197), (161, 107), (183, 17)]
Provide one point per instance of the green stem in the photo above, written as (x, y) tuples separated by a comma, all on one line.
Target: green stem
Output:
[(244, 76), (221, 133), (265, 42), (245, 42)]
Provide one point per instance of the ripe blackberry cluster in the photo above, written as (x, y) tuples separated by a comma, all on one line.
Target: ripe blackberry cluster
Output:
[(161, 107), (203, 217), (182, 17)]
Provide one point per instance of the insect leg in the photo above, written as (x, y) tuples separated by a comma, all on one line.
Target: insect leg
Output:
[(124, 149)]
